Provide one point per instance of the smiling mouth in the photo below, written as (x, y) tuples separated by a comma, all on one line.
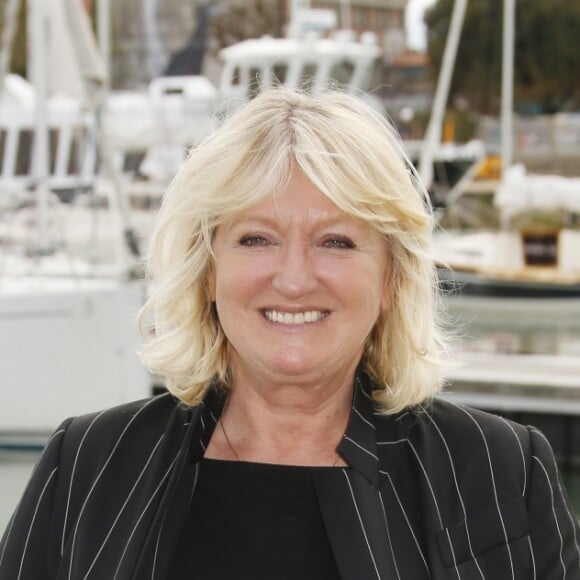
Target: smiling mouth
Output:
[(307, 317)]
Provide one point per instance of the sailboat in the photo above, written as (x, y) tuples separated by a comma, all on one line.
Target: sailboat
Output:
[(514, 293), (67, 331), (534, 254), (68, 293)]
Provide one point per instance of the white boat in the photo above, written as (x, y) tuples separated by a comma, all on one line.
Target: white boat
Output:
[(67, 332), (513, 291), (68, 299), (533, 254)]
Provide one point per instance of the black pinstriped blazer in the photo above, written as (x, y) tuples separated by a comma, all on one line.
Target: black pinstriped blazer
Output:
[(442, 492)]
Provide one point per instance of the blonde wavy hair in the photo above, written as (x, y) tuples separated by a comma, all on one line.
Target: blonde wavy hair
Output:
[(353, 156)]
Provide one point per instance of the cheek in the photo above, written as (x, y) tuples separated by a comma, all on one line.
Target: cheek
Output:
[(377, 290), (236, 275)]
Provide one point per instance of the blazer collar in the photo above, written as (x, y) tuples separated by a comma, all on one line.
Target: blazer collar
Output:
[(211, 409), (358, 445)]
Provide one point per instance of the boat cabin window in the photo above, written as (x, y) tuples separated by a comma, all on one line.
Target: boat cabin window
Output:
[(24, 151), (540, 247), (279, 71), (236, 77)]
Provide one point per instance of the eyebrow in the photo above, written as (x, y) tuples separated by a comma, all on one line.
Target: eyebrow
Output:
[(273, 222)]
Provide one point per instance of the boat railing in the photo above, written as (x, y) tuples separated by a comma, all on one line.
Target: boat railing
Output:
[(73, 152)]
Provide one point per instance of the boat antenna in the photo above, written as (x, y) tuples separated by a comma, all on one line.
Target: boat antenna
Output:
[(37, 62), (104, 38), (432, 138), (507, 84)]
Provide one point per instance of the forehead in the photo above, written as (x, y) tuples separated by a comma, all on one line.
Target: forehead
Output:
[(285, 214), (300, 200)]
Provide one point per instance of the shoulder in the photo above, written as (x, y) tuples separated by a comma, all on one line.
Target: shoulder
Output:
[(127, 429), (465, 446), (146, 413), (459, 425)]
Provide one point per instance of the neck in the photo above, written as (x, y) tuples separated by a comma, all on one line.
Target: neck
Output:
[(293, 424)]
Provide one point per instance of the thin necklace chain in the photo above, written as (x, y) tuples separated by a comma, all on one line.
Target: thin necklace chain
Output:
[(221, 422), (228, 440)]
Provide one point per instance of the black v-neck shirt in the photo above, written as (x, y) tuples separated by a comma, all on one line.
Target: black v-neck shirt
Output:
[(254, 521)]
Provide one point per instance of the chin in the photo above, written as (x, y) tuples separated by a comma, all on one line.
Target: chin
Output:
[(294, 365)]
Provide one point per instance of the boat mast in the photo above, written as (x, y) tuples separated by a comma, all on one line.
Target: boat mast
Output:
[(345, 20), (507, 84), (38, 66), (104, 37), (433, 134)]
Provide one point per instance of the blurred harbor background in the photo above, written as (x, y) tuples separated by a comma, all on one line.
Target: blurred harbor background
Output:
[(100, 100)]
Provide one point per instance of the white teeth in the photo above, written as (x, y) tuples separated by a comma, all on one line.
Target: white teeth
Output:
[(298, 318)]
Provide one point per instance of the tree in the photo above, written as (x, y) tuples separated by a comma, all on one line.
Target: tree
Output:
[(248, 19), (18, 60), (546, 54)]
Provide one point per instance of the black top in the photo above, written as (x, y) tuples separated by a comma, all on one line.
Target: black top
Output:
[(254, 521)]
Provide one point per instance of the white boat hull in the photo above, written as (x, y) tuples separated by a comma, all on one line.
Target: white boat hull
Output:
[(67, 347)]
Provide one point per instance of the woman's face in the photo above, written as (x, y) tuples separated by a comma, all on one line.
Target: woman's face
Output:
[(298, 285)]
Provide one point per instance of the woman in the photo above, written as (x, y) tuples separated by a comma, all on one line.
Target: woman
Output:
[(295, 322)]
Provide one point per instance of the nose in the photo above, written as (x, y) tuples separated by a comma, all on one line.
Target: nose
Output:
[(295, 274)]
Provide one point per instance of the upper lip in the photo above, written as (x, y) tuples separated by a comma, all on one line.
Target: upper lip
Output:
[(293, 309)]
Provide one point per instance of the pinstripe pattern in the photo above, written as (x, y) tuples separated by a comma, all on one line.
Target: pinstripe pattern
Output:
[(135, 527), (459, 494), (494, 487), (455, 567), (33, 520), (70, 487), (439, 492), (406, 520), (120, 513), (362, 525), (391, 548), (524, 473)]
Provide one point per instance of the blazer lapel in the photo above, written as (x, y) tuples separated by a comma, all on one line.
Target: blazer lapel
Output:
[(159, 547), (352, 511), (350, 500), (151, 557), (373, 519)]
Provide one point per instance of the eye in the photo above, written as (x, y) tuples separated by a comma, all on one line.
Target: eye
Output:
[(253, 240), (338, 242)]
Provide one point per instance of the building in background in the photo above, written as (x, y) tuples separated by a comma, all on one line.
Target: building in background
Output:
[(386, 18)]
